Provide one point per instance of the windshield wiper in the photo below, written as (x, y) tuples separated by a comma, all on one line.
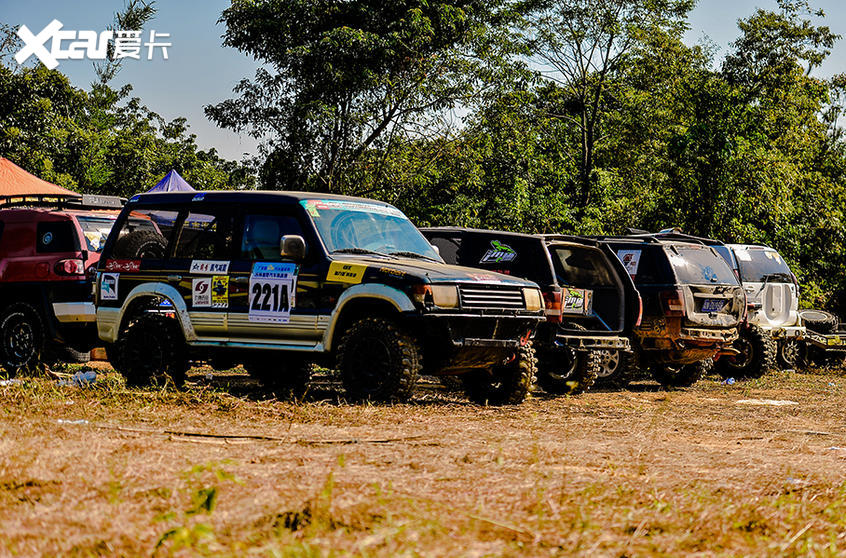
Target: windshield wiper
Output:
[(363, 251), (414, 255)]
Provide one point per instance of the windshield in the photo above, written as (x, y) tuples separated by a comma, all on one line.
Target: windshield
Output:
[(757, 266), (359, 227), (698, 265), (96, 231)]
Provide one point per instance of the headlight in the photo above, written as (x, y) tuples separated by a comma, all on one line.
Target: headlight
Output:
[(445, 296), (533, 299)]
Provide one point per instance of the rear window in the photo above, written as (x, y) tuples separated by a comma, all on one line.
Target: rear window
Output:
[(699, 265), (151, 226), (95, 231), (757, 266), (646, 264), (581, 267), (56, 236)]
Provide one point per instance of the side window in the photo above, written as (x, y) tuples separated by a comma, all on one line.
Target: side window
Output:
[(448, 247), (262, 232), (144, 234), (205, 235), (56, 236)]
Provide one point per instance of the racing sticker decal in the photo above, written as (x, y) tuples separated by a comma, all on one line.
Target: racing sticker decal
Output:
[(499, 253), (630, 259), (201, 292), (273, 287), (220, 291), (314, 207), (109, 286), (577, 301), (209, 267), (123, 265), (342, 272)]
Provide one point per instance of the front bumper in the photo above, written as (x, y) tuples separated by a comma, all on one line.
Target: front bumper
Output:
[(789, 332), (595, 342), (701, 334)]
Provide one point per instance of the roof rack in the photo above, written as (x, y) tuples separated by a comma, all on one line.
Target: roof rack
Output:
[(666, 234), (62, 201)]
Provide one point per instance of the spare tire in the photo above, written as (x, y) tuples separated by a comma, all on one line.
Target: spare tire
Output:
[(141, 244), (819, 321)]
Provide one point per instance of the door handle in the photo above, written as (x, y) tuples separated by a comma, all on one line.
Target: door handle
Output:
[(240, 280), (174, 278)]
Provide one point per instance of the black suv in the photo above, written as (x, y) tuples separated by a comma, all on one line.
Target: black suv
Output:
[(591, 303), (281, 280), (692, 306)]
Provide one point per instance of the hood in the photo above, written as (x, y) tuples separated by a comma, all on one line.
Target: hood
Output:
[(434, 272)]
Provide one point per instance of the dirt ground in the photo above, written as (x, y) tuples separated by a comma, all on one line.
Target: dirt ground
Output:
[(754, 468)]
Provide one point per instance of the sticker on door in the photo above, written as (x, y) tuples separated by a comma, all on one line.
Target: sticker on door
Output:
[(272, 294)]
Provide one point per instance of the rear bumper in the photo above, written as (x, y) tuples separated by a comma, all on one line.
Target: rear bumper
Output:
[(74, 312), (596, 342), (695, 334), (789, 332)]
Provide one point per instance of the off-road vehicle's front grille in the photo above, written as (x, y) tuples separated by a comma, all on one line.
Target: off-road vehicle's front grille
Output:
[(491, 297)]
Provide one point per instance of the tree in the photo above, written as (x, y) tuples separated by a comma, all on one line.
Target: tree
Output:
[(581, 45), (343, 81)]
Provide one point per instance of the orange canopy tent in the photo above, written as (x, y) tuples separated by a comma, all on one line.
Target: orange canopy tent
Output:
[(14, 181)]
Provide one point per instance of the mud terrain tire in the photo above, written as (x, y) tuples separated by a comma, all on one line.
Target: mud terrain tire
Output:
[(504, 384), (141, 244), (617, 369), (792, 354), (286, 375), (21, 338), (819, 321), (152, 351), (378, 361), (567, 372), (678, 375), (757, 355)]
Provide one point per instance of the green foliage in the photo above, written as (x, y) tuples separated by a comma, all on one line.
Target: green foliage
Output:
[(342, 79), (99, 141)]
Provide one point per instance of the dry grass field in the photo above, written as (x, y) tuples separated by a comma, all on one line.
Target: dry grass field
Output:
[(220, 469)]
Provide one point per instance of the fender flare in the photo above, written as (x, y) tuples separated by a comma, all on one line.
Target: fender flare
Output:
[(398, 299), (168, 292)]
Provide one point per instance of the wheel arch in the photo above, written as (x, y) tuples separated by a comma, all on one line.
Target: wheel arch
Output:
[(142, 294), (365, 300)]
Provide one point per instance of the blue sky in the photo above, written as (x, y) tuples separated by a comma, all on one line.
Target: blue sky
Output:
[(200, 71)]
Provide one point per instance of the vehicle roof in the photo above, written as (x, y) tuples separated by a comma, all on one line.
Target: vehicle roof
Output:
[(234, 196), (658, 240), (544, 237)]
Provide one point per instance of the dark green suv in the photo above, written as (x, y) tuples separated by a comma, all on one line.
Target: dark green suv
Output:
[(282, 280)]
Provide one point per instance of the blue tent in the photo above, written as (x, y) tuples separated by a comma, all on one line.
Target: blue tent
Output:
[(172, 182)]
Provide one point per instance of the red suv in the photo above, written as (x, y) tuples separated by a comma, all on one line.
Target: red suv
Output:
[(48, 244)]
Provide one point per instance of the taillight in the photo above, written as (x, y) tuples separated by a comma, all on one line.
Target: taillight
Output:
[(673, 303), (639, 310), (70, 267), (552, 304)]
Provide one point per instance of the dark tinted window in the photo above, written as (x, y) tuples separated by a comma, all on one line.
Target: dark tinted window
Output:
[(145, 233), (262, 232), (699, 265), (57, 236), (757, 265), (205, 235), (447, 247), (581, 267), (647, 264), (524, 257)]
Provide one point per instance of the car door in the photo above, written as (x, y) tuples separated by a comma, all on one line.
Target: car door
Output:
[(272, 299), (199, 266)]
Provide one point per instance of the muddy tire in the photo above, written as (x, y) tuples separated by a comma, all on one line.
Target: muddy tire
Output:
[(819, 321), (681, 375), (757, 355), (567, 372), (141, 244), (792, 354), (505, 384), (21, 339), (378, 361), (152, 351), (617, 369), (284, 374)]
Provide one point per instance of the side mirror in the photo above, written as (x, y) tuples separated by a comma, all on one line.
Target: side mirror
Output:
[(292, 246), (437, 250)]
